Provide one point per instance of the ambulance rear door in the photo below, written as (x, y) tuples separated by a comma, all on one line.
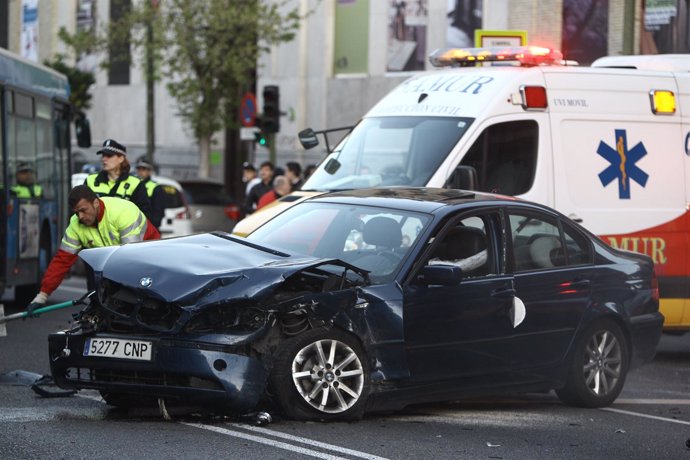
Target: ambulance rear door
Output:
[(618, 167)]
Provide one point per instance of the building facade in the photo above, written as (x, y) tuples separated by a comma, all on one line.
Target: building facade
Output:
[(346, 56)]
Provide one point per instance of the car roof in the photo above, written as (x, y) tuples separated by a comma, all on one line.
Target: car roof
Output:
[(422, 199), (163, 180), (200, 181)]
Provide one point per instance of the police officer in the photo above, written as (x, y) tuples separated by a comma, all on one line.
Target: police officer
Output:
[(115, 180), (154, 191), (26, 186), (97, 222)]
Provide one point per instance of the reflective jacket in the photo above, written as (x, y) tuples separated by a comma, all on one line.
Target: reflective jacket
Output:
[(122, 222), (27, 191), (126, 186), (119, 222), (158, 200)]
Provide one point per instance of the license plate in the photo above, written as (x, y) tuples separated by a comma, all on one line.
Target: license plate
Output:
[(119, 348)]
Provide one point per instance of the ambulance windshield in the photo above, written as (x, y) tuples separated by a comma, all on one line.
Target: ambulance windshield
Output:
[(389, 151)]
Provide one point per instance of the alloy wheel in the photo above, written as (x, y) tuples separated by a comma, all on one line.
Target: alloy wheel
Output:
[(328, 375), (603, 363)]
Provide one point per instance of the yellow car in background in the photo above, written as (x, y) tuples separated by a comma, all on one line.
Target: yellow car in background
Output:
[(268, 212)]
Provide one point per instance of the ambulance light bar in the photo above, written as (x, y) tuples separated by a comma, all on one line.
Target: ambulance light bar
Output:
[(663, 102), (526, 55)]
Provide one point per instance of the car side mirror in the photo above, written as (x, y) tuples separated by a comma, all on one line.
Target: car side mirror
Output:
[(464, 177), (83, 131), (444, 275), (307, 137)]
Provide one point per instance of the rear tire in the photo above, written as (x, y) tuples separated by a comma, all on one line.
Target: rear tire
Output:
[(598, 367), (321, 375)]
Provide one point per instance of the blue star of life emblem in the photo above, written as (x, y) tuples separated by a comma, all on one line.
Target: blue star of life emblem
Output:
[(622, 165)]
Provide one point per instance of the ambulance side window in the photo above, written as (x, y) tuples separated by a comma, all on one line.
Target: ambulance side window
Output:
[(505, 157)]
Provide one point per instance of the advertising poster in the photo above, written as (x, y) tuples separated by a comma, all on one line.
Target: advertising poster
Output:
[(351, 36), (407, 22), (29, 37), (585, 30), (28, 231), (464, 17)]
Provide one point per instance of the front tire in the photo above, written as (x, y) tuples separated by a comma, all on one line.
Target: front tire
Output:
[(598, 368), (321, 375)]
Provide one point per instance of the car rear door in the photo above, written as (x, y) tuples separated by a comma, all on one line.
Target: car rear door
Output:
[(552, 265)]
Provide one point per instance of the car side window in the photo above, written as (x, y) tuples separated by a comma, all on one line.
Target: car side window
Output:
[(537, 242), (465, 244), (577, 247)]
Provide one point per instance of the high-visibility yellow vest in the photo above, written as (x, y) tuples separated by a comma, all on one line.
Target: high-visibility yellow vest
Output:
[(150, 187), (27, 191), (124, 190), (122, 223)]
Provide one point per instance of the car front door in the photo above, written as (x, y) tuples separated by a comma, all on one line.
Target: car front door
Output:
[(461, 330)]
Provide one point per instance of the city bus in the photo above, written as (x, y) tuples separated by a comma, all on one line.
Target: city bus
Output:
[(35, 119)]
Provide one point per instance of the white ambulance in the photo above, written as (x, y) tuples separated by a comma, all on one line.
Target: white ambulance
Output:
[(607, 145)]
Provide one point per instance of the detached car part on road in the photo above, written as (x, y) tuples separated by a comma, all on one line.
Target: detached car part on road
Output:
[(366, 300)]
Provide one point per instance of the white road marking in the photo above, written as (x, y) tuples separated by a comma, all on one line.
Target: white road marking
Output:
[(637, 414), (675, 402), (73, 289), (268, 442), (311, 442), (275, 434), (93, 397)]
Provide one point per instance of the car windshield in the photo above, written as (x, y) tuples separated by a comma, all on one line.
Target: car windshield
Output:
[(374, 239), (173, 198), (389, 151), (212, 194)]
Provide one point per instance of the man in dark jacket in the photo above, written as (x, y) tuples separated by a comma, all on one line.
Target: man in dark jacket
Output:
[(154, 191), (266, 184)]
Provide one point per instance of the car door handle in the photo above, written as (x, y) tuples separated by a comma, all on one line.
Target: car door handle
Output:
[(503, 293)]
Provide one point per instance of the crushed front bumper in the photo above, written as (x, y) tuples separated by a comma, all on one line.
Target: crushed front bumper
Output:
[(189, 371)]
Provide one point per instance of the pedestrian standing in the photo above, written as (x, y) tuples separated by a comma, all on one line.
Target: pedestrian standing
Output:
[(256, 192), (26, 186), (154, 191), (115, 179), (249, 177), (281, 187), (294, 175)]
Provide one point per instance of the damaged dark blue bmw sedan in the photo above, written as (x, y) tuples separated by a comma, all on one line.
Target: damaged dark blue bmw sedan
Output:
[(365, 300)]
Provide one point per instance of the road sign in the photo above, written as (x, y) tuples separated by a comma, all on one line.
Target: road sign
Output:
[(248, 110), (247, 133)]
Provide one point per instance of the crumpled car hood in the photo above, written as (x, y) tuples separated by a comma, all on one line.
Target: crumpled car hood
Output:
[(185, 269)]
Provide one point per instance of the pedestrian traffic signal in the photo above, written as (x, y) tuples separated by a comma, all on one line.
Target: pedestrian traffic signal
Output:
[(270, 118)]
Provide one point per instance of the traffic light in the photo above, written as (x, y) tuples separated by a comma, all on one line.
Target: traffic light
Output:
[(270, 118), (260, 137)]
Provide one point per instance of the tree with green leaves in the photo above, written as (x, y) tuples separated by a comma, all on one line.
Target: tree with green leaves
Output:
[(211, 56), (206, 50)]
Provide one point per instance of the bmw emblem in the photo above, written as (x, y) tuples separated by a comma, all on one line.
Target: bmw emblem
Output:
[(145, 282)]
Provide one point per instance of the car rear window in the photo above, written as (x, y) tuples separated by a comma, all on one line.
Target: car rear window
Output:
[(213, 194), (173, 197)]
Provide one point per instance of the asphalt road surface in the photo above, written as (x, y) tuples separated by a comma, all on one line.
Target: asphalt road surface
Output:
[(651, 419)]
